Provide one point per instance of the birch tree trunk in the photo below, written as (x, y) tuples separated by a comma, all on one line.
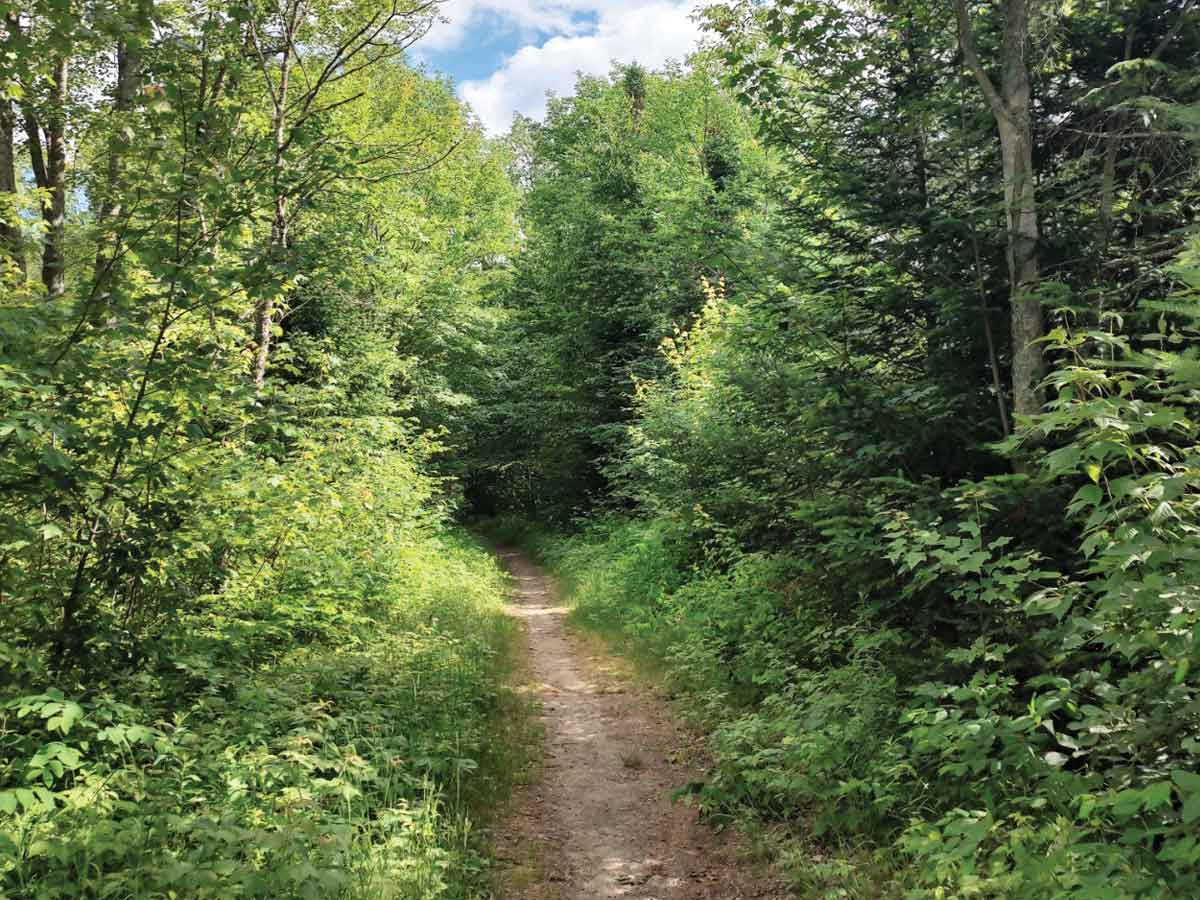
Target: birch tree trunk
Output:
[(265, 309)]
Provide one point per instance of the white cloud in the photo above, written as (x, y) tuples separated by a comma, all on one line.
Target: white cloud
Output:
[(530, 17), (648, 32), (523, 16)]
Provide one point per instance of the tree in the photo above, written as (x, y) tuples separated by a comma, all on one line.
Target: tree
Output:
[(40, 51), (135, 31), (638, 187), (10, 229), (1012, 107), (304, 50), (128, 393)]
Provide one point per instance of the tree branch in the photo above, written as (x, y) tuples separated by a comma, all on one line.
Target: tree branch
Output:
[(966, 43), (1174, 32)]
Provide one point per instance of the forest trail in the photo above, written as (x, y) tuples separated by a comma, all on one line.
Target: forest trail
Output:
[(599, 822)]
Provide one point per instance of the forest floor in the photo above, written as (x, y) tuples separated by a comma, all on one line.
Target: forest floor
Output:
[(599, 821)]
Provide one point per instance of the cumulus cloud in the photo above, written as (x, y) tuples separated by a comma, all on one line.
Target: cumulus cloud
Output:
[(587, 37), (463, 18)]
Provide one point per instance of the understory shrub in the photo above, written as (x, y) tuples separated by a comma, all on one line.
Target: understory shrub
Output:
[(990, 685), (324, 725), (994, 763)]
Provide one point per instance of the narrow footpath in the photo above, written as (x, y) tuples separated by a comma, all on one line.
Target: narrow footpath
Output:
[(599, 822)]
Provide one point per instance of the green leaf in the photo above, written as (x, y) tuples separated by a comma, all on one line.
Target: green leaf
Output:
[(1188, 782), (67, 716), (1156, 795), (1127, 803), (27, 799), (1191, 809)]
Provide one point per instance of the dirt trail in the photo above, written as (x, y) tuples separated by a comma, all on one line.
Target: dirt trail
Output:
[(599, 822)]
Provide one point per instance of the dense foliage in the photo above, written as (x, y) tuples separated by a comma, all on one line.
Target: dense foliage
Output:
[(243, 651), (938, 616), (855, 361), (636, 189)]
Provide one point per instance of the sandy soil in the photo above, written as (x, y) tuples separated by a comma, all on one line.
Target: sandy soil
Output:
[(599, 822)]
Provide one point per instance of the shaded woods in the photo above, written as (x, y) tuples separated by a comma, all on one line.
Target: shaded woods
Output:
[(241, 243), (846, 371), (857, 363)]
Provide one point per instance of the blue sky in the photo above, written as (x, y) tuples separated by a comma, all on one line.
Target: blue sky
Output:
[(505, 56)]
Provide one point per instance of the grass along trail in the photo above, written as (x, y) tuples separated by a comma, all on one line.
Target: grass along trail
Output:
[(599, 822)]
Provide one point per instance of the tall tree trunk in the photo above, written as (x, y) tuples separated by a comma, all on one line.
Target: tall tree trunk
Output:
[(11, 243), (913, 87), (10, 230), (50, 174), (1108, 190), (1029, 363), (129, 75), (1108, 173), (264, 310), (54, 257), (1011, 106)]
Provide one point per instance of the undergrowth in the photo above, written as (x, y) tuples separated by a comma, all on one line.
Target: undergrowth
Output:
[(976, 687), (333, 727), (849, 753)]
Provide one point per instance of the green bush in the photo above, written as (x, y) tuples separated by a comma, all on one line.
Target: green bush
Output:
[(994, 706), (971, 772), (324, 726)]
